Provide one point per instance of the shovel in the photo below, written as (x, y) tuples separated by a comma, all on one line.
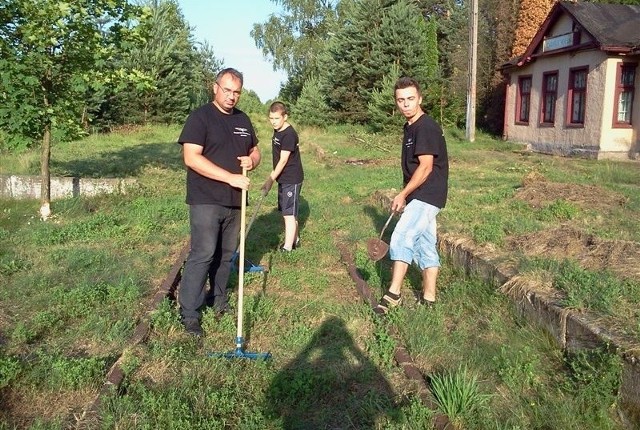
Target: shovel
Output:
[(376, 247)]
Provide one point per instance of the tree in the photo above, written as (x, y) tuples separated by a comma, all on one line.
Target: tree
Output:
[(51, 52), (531, 15), (345, 67), (375, 34), (250, 103), (311, 107), (180, 73), (294, 39), (383, 114)]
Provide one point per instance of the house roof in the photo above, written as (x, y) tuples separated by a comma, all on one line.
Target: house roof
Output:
[(615, 28), (612, 25)]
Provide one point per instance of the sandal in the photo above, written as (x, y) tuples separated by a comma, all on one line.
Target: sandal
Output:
[(389, 300)]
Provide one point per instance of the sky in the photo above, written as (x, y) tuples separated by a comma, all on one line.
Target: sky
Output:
[(226, 25)]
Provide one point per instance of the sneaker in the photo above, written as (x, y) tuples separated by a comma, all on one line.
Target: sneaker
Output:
[(283, 249), (192, 326), (389, 300)]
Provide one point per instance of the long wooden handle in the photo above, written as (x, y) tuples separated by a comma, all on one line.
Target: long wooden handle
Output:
[(243, 217)]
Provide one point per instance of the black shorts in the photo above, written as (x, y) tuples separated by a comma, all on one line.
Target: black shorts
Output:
[(289, 199)]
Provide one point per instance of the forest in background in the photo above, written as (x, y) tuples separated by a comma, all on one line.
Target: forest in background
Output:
[(74, 68)]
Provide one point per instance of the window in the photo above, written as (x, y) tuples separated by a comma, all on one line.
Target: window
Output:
[(577, 95), (625, 88), (523, 99), (549, 96)]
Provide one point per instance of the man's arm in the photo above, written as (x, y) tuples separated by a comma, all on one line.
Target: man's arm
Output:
[(418, 178), (193, 159)]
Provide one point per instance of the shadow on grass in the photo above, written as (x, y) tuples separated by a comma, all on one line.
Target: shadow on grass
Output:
[(267, 232), (126, 162), (330, 384)]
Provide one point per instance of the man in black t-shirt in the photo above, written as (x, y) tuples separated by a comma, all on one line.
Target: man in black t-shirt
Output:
[(218, 141), (425, 171), (287, 170)]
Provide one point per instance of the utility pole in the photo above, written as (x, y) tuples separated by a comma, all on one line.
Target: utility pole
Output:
[(473, 69)]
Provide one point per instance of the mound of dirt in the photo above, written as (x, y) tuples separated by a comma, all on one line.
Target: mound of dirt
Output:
[(617, 256), (539, 192)]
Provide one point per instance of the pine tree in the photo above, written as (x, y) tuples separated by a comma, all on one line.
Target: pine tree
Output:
[(383, 114), (311, 107), (346, 63)]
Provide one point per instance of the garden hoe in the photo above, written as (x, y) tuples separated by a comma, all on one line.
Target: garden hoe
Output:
[(376, 247), (239, 352)]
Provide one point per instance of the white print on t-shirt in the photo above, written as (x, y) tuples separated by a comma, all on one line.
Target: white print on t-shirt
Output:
[(241, 131), (409, 142), (276, 141)]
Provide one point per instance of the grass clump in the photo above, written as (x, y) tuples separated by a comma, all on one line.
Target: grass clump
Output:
[(457, 393)]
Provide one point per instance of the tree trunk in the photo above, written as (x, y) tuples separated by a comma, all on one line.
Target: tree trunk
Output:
[(45, 187)]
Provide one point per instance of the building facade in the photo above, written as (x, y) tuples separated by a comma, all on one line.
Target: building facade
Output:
[(573, 91)]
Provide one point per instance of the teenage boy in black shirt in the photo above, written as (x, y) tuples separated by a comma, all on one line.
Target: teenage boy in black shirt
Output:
[(425, 171)]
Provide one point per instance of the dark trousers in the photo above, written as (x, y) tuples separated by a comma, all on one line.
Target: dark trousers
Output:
[(214, 238)]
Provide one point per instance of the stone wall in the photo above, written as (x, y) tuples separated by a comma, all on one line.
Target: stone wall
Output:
[(28, 187)]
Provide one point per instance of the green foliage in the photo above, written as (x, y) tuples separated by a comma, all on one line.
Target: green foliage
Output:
[(381, 345), (179, 73), (518, 369), (558, 210), (383, 114), (295, 38), (9, 370), (585, 289), (165, 317), (60, 372), (52, 52), (490, 230), (250, 103), (347, 72), (311, 107), (457, 393), (594, 380)]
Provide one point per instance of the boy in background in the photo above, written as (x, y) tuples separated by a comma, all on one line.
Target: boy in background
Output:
[(287, 170)]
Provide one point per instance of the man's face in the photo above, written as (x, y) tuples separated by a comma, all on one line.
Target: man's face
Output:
[(408, 101), (277, 119), (227, 92)]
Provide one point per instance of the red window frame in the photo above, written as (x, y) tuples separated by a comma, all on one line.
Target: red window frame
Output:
[(577, 95), (625, 87), (549, 98), (523, 99)]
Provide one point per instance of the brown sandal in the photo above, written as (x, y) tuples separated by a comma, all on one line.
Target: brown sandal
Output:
[(389, 300)]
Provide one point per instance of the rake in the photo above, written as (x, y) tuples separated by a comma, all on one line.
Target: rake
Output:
[(239, 352)]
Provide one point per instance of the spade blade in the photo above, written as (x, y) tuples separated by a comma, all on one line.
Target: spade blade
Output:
[(376, 248)]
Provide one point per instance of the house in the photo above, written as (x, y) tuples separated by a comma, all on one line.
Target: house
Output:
[(573, 91)]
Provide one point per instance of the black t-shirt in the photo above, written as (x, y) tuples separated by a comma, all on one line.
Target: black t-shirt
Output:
[(425, 137), (287, 140), (224, 138)]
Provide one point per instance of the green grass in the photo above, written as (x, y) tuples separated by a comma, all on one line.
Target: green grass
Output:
[(74, 288)]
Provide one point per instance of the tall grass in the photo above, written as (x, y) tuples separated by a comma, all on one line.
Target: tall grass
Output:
[(73, 289)]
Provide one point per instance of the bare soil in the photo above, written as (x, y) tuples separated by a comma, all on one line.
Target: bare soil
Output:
[(565, 241)]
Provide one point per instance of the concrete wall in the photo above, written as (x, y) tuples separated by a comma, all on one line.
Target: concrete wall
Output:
[(28, 187)]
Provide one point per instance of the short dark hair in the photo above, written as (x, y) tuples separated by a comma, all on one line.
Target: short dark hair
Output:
[(278, 107), (406, 82), (230, 71)]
